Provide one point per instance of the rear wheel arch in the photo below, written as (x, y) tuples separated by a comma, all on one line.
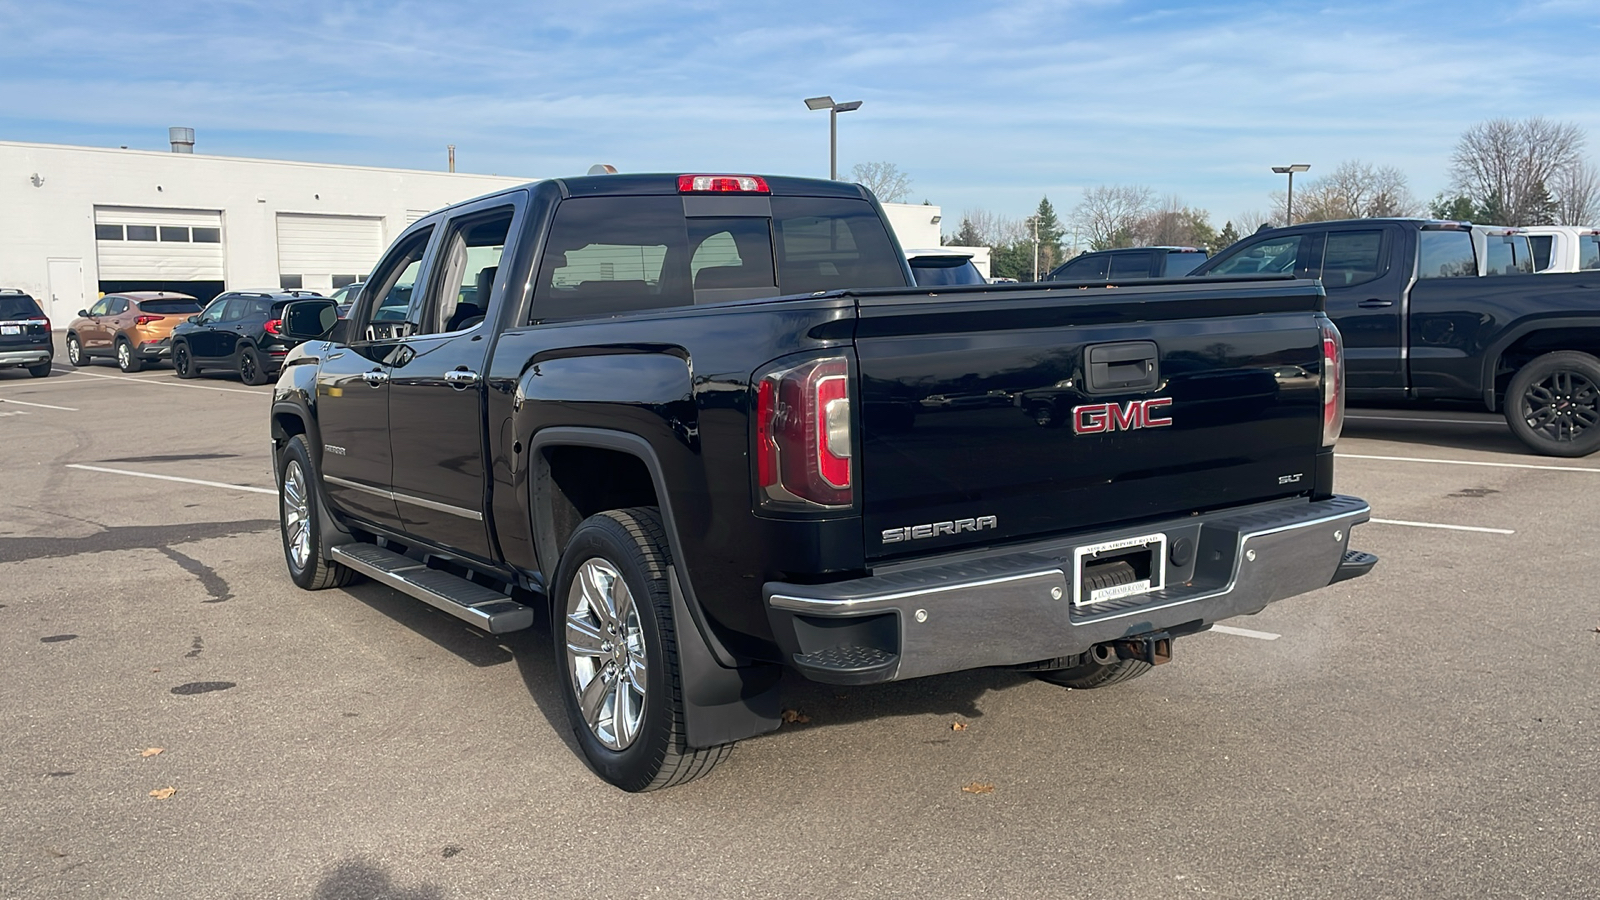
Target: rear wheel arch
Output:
[(1528, 342)]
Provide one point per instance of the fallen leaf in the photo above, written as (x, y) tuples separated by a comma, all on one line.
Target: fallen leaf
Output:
[(978, 787), (153, 751), (155, 670), (958, 726), (792, 716), (55, 853), (167, 792)]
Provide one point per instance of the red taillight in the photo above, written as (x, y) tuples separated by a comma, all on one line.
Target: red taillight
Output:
[(803, 435), (146, 320), (273, 325), (1332, 383), (717, 184)]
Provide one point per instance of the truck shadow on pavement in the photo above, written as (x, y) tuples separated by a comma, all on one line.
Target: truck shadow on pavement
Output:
[(1490, 437), (363, 879)]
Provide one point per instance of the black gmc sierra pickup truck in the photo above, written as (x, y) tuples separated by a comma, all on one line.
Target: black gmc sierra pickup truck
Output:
[(1420, 323), (690, 417)]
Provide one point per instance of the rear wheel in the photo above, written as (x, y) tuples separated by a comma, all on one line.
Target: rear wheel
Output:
[(615, 644), (300, 522), (1553, 404), (251, 370), (42, 370), (126, 361), (182, 363), (75, 354)]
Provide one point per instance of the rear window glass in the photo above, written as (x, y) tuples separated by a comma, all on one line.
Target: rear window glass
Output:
[(1589, 251), (946, 270), (1446, 254), (608, 255), (1508, 254), (170, 307), (19, 308)]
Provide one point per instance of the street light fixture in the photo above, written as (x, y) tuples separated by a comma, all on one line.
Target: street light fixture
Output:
[(833, 127), (1289, 171)]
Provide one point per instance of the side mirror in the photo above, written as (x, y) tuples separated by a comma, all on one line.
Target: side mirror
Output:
[(83, 314), (309, 320), (193, 320)]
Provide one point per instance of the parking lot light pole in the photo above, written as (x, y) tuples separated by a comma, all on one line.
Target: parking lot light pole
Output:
[(833, 127), (1289, 171)]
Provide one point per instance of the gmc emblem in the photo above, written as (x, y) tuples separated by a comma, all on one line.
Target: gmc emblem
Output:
[(1094, 418)]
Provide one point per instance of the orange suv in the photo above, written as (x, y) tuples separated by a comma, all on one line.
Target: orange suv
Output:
[(132, 328)]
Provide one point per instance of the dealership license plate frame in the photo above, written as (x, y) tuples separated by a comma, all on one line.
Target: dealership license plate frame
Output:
[(10, 329), (1155, 544)]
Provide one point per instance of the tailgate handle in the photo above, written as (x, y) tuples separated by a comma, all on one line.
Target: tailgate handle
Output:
[(1125, 367)]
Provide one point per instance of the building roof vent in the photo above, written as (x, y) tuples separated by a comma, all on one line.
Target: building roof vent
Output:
[(182, 139)]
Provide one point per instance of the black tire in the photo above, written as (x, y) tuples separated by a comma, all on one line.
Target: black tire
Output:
[(251, 369), (75, 354), (297, 505), (1553, 404), (632, 544), (1087, 674), (42, 370), (126, 361), (182, 362)]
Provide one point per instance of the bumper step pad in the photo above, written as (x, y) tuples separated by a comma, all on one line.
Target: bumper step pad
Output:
[(1354, 565), (846, 665), (468, 601)]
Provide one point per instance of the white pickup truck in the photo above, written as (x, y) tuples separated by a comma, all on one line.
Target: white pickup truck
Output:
[(1564, 248)]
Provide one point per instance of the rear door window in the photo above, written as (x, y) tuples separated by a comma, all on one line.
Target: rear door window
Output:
[(1541, 245), (1181, 263), (1130, 265), (1352, 257), (1446, 254)]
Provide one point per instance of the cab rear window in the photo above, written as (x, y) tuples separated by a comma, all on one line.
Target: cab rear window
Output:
[(609, 255)]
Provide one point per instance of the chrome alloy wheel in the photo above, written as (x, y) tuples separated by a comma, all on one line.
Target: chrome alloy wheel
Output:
[(124, 355), (296, 515), (606, 653)]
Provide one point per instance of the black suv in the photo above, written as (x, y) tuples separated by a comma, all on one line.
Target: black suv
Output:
[(24, 334), (238, 331), (1130, 262)]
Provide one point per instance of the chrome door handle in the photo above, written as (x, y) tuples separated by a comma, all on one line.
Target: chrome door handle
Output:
[(461, 379), (376, 378), (1375, 303)]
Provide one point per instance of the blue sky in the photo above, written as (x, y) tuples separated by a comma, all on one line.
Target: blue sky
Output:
[(984, 105)]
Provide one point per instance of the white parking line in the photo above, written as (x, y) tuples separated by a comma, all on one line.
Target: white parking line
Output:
[(131, 380), (1245, 632), (1467, 462), (1438, 525), (1496, 423), (217, 484), (40, 405)]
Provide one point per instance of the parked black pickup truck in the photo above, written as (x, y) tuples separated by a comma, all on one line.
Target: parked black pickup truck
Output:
[(684, 414), (1420, 323)]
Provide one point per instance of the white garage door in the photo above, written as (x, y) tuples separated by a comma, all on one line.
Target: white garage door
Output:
[(144, 244), (319, 249)]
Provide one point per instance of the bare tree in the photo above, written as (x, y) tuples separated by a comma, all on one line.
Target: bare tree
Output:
[(1108, 213), (884, 180), (1354, 190), (1577, 194), (1506, 166), (993, 230), (1174, 223)]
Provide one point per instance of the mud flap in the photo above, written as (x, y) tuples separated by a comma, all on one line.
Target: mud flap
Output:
[(720, 705)]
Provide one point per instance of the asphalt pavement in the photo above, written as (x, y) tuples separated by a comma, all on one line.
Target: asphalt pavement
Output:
[(1427, 731)]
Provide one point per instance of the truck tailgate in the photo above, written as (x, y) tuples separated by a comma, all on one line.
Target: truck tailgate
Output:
[(997, 414)]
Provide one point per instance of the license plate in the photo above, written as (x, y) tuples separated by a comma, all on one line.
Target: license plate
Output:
[(1147, 554), (10, 329)]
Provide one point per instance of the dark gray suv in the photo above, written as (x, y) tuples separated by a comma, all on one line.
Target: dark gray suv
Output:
[(1130, 262), (24, 334)]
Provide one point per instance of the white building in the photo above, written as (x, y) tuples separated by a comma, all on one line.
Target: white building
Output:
[(76, 222), (79, 221)]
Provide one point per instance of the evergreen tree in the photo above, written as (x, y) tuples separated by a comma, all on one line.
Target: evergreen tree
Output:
[(1050, 232), (967, 235), (1458, 208), (1226, 237)]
